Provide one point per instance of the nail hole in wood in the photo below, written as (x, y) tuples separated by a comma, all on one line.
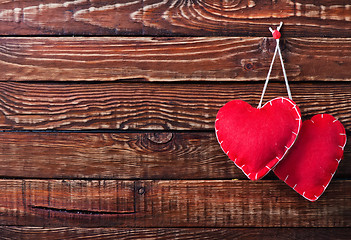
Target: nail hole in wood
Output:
[(141, 191)]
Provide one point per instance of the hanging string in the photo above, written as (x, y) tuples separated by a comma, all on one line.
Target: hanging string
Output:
[(276, 34)]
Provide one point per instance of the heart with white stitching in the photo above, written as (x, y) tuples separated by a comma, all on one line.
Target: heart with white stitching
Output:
[(256, 139), (311, 163)]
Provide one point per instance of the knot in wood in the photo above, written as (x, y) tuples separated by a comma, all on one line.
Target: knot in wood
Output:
[(250, 64), (160, 137)]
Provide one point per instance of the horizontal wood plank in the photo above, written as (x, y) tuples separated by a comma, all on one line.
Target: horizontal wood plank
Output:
[(172, 17), (150, 106), (160, 155), (172, 59), (13, 232), (34, 202), (175, 203)]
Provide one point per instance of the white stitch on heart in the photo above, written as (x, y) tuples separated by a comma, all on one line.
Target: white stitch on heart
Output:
[(245, 171), (332, 138), (286, 178)]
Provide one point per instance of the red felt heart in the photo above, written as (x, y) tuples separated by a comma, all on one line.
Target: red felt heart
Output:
[(312, 161), (257, 139)]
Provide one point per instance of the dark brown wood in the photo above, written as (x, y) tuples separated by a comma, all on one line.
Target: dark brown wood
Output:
[(118, 156), (70, 17), (156, 17), (150, 106), (12, 232), (300, 17), (34, 202), (174, 203), (160, 155), (125, 180), (242, 203), (172, 59)]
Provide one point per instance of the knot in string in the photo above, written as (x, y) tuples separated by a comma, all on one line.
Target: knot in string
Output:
[(276, 35)]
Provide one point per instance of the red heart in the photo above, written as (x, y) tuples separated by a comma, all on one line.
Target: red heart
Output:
[(257, 139), (311, 163)]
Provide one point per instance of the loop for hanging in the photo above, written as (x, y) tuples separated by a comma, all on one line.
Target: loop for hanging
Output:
[(276, 35)]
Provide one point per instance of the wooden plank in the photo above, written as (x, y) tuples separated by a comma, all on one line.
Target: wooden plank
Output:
[(54, 17), (13, 232), (175, 203), (171, 59), (34, 202), (242, 203), (160, 155), (150, 106), (300, 17), (156, 17)]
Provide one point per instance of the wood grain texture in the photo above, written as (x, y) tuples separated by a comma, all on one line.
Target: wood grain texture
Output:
[(171, 59), (13, 232), (300, 17), (174, 17), (159, 155), (35, 202), (150, 106), (175, 203), (54, 17), (112, 175), (242, 203)]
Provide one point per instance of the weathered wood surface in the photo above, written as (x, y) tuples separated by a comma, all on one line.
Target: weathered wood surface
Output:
[(14, 232), (150, 106), (174, 17), (160, 155), (159, 181), (171, 59), (172, 203), (31, 202)]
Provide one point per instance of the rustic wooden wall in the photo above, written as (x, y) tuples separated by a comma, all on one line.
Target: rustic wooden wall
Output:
[(107, 113)]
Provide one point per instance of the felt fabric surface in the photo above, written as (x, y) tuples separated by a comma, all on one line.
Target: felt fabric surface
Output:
[(257, 139), (311, 163)]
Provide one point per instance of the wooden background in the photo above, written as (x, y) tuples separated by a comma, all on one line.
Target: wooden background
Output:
[(107, 113)]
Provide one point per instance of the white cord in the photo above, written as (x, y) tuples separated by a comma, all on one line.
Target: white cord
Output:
[(284, 73), (277, 49), (268, 75)]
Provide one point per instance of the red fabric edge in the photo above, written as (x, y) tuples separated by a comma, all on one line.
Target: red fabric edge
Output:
[(264, 171)]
